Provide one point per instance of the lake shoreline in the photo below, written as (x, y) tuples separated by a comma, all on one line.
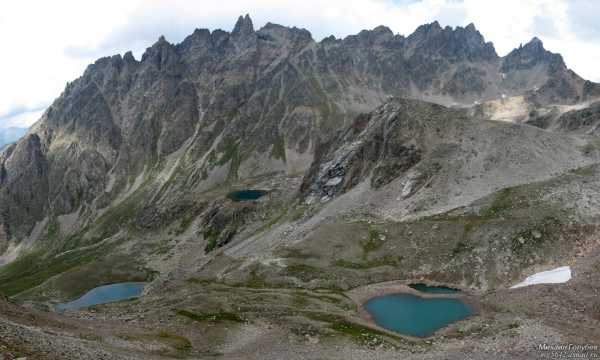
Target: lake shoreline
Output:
[(104, 294), (363, 294)]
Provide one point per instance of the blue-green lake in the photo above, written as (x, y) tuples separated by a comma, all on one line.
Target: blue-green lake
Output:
[(434, 289), (416, 316), (105, 294), (246, 195)]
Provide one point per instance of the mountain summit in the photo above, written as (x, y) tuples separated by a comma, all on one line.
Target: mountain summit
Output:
[(243, 27)]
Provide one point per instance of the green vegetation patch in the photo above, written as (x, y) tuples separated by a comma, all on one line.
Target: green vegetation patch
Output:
[(231, 155), (115, 219), (178, 346), (293, 253), (297, 213), (185, 223), (533, 237), (212, 317), (462, 247), (505, 201), (34, 269), (275, 219), (387, 260), (178, 342), (278, 150), (256, 280), (304, 272), (359, 333), (79, 271), (372, 243), (53, 229), (212, 236)]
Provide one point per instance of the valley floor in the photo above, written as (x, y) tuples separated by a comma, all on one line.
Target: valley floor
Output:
[(300, 324)]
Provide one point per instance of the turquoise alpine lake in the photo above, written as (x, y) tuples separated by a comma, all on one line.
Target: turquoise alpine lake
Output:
[(413, 315), (434, 289), (246, 195), (105, 294)]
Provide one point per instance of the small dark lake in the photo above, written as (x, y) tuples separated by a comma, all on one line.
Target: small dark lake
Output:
[(246, 195), (412, 315), (105, 294), (434, 289)]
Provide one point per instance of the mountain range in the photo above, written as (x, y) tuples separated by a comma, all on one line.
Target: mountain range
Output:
[(383, 158)]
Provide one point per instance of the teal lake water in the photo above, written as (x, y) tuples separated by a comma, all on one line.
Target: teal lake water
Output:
[(246, 195), (412, 315), (105, 294), (434, 289)]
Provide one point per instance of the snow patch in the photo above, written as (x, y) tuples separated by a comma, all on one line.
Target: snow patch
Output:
[(554, 276)]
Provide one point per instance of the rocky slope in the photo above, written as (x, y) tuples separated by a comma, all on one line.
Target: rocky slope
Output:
[(411, 164), (226, 106)]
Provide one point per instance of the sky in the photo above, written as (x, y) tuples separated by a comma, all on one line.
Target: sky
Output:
[(48, 43)]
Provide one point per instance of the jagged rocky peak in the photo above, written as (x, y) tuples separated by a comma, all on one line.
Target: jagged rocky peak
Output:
[(107, 62), (111, 65), (199, 39), (202, 42), (329, 39), (535, 44), (129, 58), (428, 29), (434, 29), (381, 29), (162, 55), (161, 40), (453, 43), (274, 32), (529, 55), (379, 34), (471, 35), (156, 48), (243, 27), (424, 32), (200, 34), (243, 35)]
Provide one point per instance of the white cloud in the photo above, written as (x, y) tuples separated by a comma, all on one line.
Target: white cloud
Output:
[(47, 43), (23, 119), (33, 34)]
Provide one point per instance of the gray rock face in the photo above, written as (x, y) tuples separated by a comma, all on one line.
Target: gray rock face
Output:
[(408, 159), (24, 186), (530, 55), (585, 120), (553, 82), (221, 106), (381, 146)]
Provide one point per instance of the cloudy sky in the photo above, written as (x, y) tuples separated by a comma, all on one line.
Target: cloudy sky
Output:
[(47, 43)]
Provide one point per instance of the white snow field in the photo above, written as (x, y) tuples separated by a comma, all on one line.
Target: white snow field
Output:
[(555, 276)]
